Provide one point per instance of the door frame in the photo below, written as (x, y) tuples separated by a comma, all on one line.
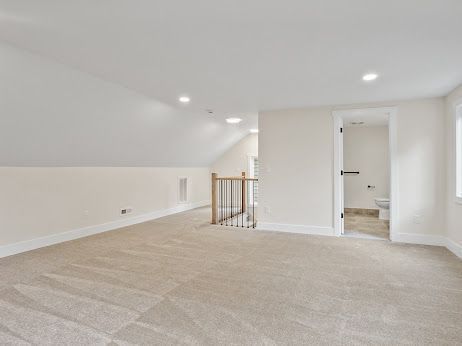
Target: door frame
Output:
[(338, 116), (251, 174)]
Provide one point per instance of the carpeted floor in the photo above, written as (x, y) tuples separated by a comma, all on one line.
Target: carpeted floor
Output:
[(178, 280)]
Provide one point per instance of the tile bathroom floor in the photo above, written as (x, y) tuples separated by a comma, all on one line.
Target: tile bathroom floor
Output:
[(366, 226)]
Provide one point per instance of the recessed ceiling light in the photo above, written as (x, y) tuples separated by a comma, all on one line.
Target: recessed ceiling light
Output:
[(233, 120), (357, 123), (184, 99), (253, 130), (370, 77)]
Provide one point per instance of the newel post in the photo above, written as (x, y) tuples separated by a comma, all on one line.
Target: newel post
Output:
[(214, 199)]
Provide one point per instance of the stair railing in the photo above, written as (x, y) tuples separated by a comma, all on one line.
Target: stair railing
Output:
[(234, 201)]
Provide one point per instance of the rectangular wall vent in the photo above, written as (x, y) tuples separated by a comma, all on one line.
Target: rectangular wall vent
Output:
[(183, 190)]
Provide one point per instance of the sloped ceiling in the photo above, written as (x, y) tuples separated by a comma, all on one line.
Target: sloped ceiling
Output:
[(235, 57), (51, 115)]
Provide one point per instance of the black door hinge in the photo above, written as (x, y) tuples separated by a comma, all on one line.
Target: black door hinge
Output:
[(341, 172), (341, 130), (342, 215)]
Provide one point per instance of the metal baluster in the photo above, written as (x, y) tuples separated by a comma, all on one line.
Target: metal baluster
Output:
[(237, 202), (227, 194), (253, 204), (232, 202), (221, 203), (239, 199), (247, 207)]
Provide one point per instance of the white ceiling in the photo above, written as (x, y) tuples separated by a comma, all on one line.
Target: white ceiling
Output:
[(242, 56), (51, 115)]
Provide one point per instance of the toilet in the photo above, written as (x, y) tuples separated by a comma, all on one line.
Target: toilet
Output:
[(384, 208)]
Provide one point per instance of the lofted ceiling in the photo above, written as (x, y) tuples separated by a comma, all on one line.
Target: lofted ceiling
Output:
[(239, 57)]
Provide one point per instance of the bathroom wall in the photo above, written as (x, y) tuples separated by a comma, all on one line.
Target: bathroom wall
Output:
[(365, 149)]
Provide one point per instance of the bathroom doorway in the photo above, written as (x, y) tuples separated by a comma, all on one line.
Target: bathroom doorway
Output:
[(365, 177)]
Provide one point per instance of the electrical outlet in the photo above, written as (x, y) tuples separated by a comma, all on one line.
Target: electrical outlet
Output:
[(417, 219), (125, 211), (267, 210)]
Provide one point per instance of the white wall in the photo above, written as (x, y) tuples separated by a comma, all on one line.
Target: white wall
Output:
[(39, 202), (365, 149), (53, 115), (235, 161), (295, 154), (296, 167), (454, 210)]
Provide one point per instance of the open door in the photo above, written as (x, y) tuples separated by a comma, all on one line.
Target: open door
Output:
[(339, 116)]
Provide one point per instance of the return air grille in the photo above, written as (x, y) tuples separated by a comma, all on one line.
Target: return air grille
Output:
[(183, 190)]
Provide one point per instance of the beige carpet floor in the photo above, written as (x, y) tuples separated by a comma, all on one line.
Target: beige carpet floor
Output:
[(178, 280)]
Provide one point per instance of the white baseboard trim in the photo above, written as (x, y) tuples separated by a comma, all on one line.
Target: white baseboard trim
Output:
[(290, 228), (421, 239), (434, 240), (454, 247), (409, 238), (27, 245)]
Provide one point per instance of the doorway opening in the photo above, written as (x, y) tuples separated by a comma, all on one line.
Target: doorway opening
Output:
[(365, 181)]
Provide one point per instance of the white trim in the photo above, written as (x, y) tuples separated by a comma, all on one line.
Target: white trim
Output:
[(338, 179), (394, 172), (290, 228), (338, 116), (251, 174), (27, 245), (454, 247), (457, 143), (408, 238), (421, 239)]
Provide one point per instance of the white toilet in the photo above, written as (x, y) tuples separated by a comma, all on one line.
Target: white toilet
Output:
[(384, 208)]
